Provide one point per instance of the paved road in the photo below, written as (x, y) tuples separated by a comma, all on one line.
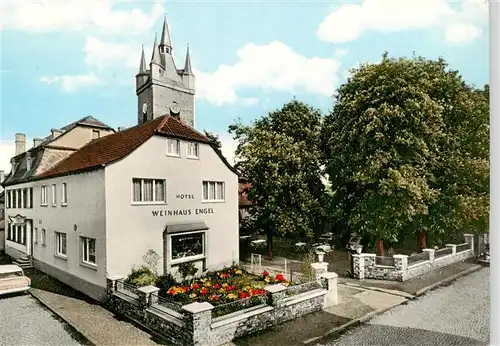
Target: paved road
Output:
[(24, 321), (449, 316)]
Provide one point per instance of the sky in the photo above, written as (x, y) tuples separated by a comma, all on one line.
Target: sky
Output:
[(62, 60)]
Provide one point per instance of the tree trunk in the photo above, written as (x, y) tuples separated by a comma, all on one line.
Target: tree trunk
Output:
[(270, 245), (380, 247), (422, 240)]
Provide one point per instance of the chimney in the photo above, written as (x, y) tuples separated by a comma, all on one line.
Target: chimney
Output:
[(121, 128), (37, 141), (55, 133), (20, 143)]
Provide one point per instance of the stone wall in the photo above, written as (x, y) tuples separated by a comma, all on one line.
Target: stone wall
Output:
[(194, 325), (365, 266)]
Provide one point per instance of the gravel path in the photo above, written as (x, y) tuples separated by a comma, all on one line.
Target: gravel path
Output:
[(24, 321), (449, 316)]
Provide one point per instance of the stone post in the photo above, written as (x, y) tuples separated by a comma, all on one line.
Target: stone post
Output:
[(430, 252), (330, 282), (198, 321), (358, 266), (320, 268), (145, 295), (453, 248), (469, 239), (275, 294), (111, 284), (400, 262)]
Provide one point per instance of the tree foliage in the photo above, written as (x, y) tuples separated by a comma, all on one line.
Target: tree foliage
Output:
[(279, 155), (400, 151), (214, 139)]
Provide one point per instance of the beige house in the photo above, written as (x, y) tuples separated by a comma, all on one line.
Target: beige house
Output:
[(159, 185)]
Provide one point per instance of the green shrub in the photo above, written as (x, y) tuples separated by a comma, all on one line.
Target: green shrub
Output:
[(306, 270), (187, 270), (164, 282), (141, 277)]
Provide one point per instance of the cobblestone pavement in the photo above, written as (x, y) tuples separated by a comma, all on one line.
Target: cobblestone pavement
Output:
[(449, 316), (24, 321)]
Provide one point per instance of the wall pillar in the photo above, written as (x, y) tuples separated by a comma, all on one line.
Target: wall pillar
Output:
[(320, 268), (358, 266), (111, 284), (275, 294), (430, 253), (469, 239), (198, 321), (400, 262), (330, 282), (453, 248), (145, 295)]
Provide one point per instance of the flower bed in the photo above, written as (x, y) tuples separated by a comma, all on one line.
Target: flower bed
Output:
[(224, 286)]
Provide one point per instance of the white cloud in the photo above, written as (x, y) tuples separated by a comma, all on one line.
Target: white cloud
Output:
[(340, 52), (228, 148), (76, 15), (249, 101), (461, 32), (7, 150), (273, 66), (100, 54), (71, 83), (348, 22)]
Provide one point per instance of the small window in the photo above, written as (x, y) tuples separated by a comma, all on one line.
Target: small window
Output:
[(213, 191), (7, 199), (30, 198), (64, 194), (25, 198), (193, 150), (173, 147), (148, 190), (54, 194), (14, 199), (186, 246), (61, 244), (43, 195), (88, 250), (43, 237), (35, 236), (96, 134)]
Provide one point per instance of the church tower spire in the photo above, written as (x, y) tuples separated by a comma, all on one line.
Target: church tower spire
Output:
[(155, 58), (187, 63), (165, 42), (142, 66)]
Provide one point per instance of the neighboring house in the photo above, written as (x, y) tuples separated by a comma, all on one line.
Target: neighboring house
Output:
[(160, 185), (243, 201), (19, 191)]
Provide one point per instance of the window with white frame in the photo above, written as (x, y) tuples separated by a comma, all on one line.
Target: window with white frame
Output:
[(148, 190), (88, 250), (61, 244), (173, 147), (54, 194), (187, 245), (25, 198), (43, 237), (193, 150), (64, 193), (30, 199), (19, 198), (213, 191), (7, 199), (43, 195)]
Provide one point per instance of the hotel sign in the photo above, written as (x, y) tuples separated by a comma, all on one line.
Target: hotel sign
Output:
[(17, 220)]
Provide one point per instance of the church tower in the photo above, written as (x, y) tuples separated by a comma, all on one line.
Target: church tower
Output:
[(162, 88)]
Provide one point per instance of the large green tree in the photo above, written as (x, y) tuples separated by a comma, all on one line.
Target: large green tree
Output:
[(279, 156), (397, 151)]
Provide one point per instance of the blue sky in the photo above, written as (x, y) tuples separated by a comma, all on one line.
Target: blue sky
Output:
[(64, 59)]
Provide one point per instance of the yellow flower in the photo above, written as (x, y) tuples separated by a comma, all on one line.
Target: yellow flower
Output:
[(239, 272), (208, 284), (203, 280), (232, 296), (222, 290), (267, 279), (192, 295), (247, 288), (225, 284)]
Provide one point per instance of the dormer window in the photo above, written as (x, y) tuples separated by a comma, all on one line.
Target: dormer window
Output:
[(96, 134), (28, 163)]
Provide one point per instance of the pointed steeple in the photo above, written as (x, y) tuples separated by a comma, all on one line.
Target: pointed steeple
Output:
[(187, 63), (142, 66), (155, 58), (165, 37)]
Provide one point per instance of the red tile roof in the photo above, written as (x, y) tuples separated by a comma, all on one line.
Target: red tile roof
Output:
[(114, 147), (243, 195)]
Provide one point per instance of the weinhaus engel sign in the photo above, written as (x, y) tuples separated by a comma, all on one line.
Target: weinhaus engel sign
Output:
[(186, 212)]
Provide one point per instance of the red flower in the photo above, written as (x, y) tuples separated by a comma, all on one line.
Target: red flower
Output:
[(231, 288), (204, 291), (217, 286), (280, 277), (215, 297), (257, 291), (195, 286), (265, 273), (243, 295)]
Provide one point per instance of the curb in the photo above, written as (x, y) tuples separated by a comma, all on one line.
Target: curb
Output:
[(68, 321), (353, 323), (382, 290), (447, 280)]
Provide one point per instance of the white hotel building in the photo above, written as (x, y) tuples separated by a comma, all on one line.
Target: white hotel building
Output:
[(87, 203)]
